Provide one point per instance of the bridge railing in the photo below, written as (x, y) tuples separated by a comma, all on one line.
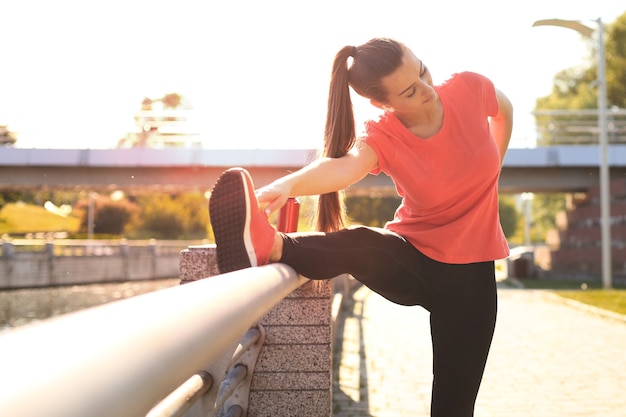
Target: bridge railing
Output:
[(576, 127), (91, 247), (123, 358)]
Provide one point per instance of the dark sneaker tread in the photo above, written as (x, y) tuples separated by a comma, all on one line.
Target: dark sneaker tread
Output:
[(227, 209)]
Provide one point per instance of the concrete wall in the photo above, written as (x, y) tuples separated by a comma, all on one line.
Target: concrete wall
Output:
[(43, 266), (293, 375)]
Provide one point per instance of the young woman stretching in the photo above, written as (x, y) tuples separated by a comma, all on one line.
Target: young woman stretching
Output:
[(443, 147)]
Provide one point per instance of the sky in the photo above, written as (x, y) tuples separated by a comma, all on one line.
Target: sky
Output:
[(256, 73)]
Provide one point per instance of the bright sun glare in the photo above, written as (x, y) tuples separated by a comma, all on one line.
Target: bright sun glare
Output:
[(256, 73)]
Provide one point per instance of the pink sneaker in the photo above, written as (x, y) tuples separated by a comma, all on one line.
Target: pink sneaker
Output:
[(243, 235)]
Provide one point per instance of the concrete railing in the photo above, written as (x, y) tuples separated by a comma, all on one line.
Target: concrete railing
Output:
[(293, 374), (122, 358)]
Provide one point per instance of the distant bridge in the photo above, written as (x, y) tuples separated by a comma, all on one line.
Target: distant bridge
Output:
[(547, 169)]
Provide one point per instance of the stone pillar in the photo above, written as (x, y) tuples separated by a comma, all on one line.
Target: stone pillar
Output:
[(8, 250), (293, 375), (51, 279), (6, 264), (197, 262), (126, 259)]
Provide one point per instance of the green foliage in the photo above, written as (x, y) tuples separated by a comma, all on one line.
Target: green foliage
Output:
[(177, 216), (10, 197), (24, 196), (508, 215), (110, 217), (7, 138), (615, 48), (149, 215), (160, 216), (37, 197), (196, 214), (573, 89), (371, 211), (576, 89), (544, 210), (376, 211)]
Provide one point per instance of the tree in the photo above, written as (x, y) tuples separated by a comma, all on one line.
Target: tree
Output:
[(376, 211), (371, 211), (615, 48), (173, 216), (7, 138), (573, 89), (109, 217), (195, 211), (508, 216), (576, 89), (11, 196), (545, 207), (161, 217)]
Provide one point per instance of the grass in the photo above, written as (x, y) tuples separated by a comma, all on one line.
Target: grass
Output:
[(590, 293), (612, 300), (19, 218)]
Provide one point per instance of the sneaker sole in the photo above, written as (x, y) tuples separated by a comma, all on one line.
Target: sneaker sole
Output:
[(231, 222)]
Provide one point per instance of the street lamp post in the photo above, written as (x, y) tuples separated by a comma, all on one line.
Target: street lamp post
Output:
[(605, 201)]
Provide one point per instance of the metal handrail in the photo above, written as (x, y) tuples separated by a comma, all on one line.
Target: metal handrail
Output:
[(184, 397), (123, 358), (578, 126)]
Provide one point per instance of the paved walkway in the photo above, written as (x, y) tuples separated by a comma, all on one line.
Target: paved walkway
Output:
[(549, 358)]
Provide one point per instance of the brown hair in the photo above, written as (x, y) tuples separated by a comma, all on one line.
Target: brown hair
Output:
[(371, 62)]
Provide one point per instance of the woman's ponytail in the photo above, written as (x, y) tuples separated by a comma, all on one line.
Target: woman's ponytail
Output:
[(339, 137), (371, 63)]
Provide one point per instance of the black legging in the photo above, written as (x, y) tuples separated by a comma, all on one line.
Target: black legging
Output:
[(461, 299)]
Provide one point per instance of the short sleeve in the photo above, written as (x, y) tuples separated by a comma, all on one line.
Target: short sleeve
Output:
[(378, 141), (483, 89)]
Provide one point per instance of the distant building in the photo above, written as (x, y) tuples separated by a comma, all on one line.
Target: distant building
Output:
[(578, 250), (162, 129)]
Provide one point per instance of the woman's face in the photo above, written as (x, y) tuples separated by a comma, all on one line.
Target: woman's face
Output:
[(410, 87)]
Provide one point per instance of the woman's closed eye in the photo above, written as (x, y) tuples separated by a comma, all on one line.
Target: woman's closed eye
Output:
[(423, 72)]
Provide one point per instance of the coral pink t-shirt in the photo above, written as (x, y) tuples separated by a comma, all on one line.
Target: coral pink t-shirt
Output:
[(448, 182)]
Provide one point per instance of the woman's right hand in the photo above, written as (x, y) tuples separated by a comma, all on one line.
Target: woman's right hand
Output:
[(323, 175), (273, 196)]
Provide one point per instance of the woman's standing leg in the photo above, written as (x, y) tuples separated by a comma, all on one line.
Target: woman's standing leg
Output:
[(461, 298), (463, 316)]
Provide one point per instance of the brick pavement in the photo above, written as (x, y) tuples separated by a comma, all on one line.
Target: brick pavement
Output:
[(549, 358)]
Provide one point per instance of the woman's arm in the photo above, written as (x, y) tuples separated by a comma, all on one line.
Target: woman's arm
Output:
[(322, 176), (501, 125)]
